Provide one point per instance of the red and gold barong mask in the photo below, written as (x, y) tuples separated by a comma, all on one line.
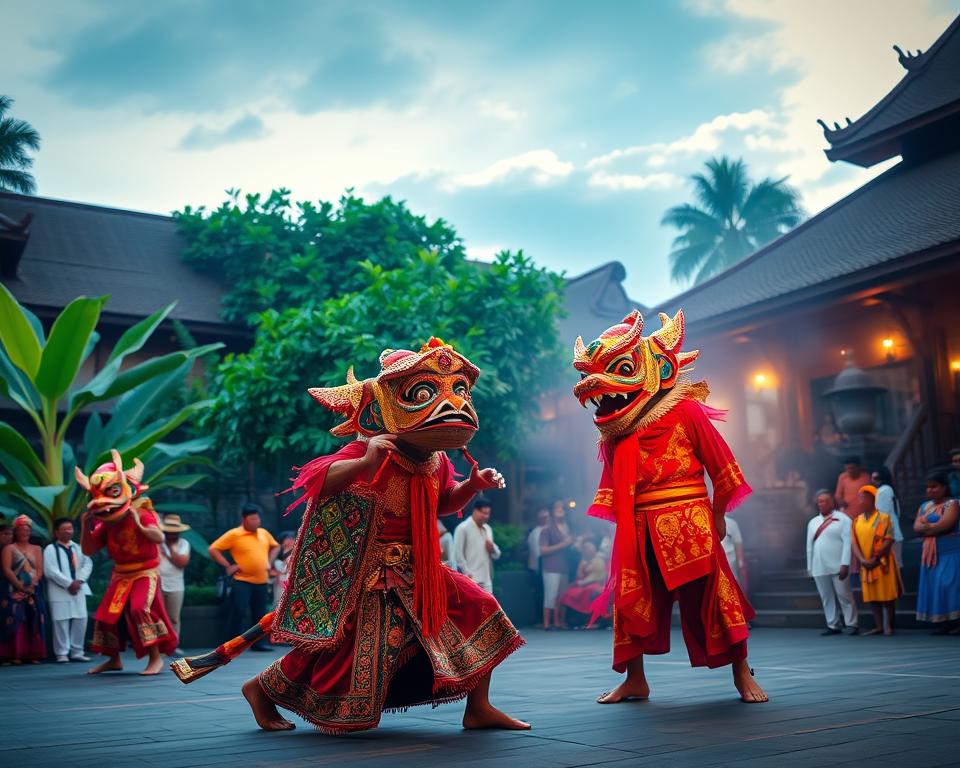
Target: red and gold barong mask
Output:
[(621, 371), (423, 397), (111, 489)]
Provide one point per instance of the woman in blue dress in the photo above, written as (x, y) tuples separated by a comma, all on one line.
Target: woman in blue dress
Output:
[(938, 596)]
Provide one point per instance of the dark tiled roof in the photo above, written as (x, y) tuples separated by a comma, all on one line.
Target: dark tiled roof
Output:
[(907, 210), (932, 84), (594, 301), (77, 249)]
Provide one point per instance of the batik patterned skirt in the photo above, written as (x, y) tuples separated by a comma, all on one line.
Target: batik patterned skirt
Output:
[(384, 663), (132, 610)]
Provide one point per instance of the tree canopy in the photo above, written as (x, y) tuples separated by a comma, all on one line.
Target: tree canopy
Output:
[(731, 219), (16, 137), (329, 286)]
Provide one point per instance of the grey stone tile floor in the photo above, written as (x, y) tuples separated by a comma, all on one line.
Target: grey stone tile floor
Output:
[(835, 701)]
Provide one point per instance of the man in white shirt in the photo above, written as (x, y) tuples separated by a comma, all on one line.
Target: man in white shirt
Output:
[(533, 541), (174, 558), (67, 569), (474, 548), (828, 562)]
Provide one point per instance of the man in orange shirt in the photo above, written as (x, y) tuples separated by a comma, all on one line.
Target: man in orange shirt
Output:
[(851, 480), (252, 549)]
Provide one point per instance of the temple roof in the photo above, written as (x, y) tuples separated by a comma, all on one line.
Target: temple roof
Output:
[(929, 93), (596, 300), (73, 249), (891, 225)]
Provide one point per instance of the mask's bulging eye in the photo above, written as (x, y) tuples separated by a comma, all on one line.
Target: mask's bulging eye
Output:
[(420, 393), (622, 366), (114, 491), (461, 390)]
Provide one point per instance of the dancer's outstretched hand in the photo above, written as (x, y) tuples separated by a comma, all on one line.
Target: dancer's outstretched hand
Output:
[(377, 449), (481, 479)]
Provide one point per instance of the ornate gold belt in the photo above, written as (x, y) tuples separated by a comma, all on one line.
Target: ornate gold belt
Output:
[(394, 554), (670, 495)]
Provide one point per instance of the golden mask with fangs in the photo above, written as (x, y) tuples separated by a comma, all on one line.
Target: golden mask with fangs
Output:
[(423, 397), (621, 371), (111, 489)]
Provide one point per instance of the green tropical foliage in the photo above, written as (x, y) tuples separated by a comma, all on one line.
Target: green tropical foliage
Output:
[(731, 218), (39, 373), (16, 137), (327, 287)]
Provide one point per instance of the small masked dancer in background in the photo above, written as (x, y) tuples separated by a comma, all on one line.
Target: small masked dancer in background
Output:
[(67, 570), (938, 522), (656, 441), (121, 519), (879, 574)]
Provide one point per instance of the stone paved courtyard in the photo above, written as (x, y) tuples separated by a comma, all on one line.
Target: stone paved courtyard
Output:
[(835, 701)]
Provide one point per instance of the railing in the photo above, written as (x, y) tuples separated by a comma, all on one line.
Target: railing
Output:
[(911, 458)]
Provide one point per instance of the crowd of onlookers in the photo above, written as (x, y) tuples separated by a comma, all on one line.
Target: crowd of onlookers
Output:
[(857, 535)]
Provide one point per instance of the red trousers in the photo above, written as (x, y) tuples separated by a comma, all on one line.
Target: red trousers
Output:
[(132, 610), (697, 598)]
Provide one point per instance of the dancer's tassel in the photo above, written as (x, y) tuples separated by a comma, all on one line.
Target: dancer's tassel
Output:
[(193, 668)]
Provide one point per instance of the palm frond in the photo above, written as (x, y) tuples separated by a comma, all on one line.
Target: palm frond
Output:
[(17, 181)]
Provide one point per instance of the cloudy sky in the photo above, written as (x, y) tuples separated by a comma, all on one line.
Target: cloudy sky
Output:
[(563, 128)]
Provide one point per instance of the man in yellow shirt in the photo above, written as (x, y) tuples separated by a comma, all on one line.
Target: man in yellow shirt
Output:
[(252, 549)]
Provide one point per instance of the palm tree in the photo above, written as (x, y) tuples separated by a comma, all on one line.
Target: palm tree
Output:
[(731, 219), (16, 137)]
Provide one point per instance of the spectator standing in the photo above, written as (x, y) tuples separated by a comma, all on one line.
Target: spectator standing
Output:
[(555, 543), (174, 558), (849, 483), (6, 608), (954, 477), (732, 544), (889, 504), (533, 553), (879, 574), (252, 549), (279, 572), (446, 545), (22, 564), (938, 522), (67, 570), (474, 548), (829, 549)]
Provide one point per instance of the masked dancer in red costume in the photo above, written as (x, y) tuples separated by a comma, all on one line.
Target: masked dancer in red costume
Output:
[(120, 518), (656, 441), (376, 620)]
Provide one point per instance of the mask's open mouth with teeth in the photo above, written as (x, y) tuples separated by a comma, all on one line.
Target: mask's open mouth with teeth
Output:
[(613, 405)]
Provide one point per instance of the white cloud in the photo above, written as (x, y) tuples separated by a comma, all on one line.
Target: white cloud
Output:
[(484, 252), (619, 182), (844, 66), (501, 110), (706, 138), (541, 165)]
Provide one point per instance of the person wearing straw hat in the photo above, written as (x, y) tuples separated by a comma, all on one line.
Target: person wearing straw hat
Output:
[(174, 556)]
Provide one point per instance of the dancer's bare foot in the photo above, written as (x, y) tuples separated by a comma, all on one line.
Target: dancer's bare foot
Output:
[(112, 664), (874, 631), (154, 666), (628, 690), (264, 710), (476, 717), (750, 691)]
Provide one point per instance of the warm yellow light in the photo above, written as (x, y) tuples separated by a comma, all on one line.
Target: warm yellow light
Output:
[(760, 379), (955, 365), (887, 343), (573, 505)]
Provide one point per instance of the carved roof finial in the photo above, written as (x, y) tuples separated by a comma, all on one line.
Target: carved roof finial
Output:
[(909, 61)]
